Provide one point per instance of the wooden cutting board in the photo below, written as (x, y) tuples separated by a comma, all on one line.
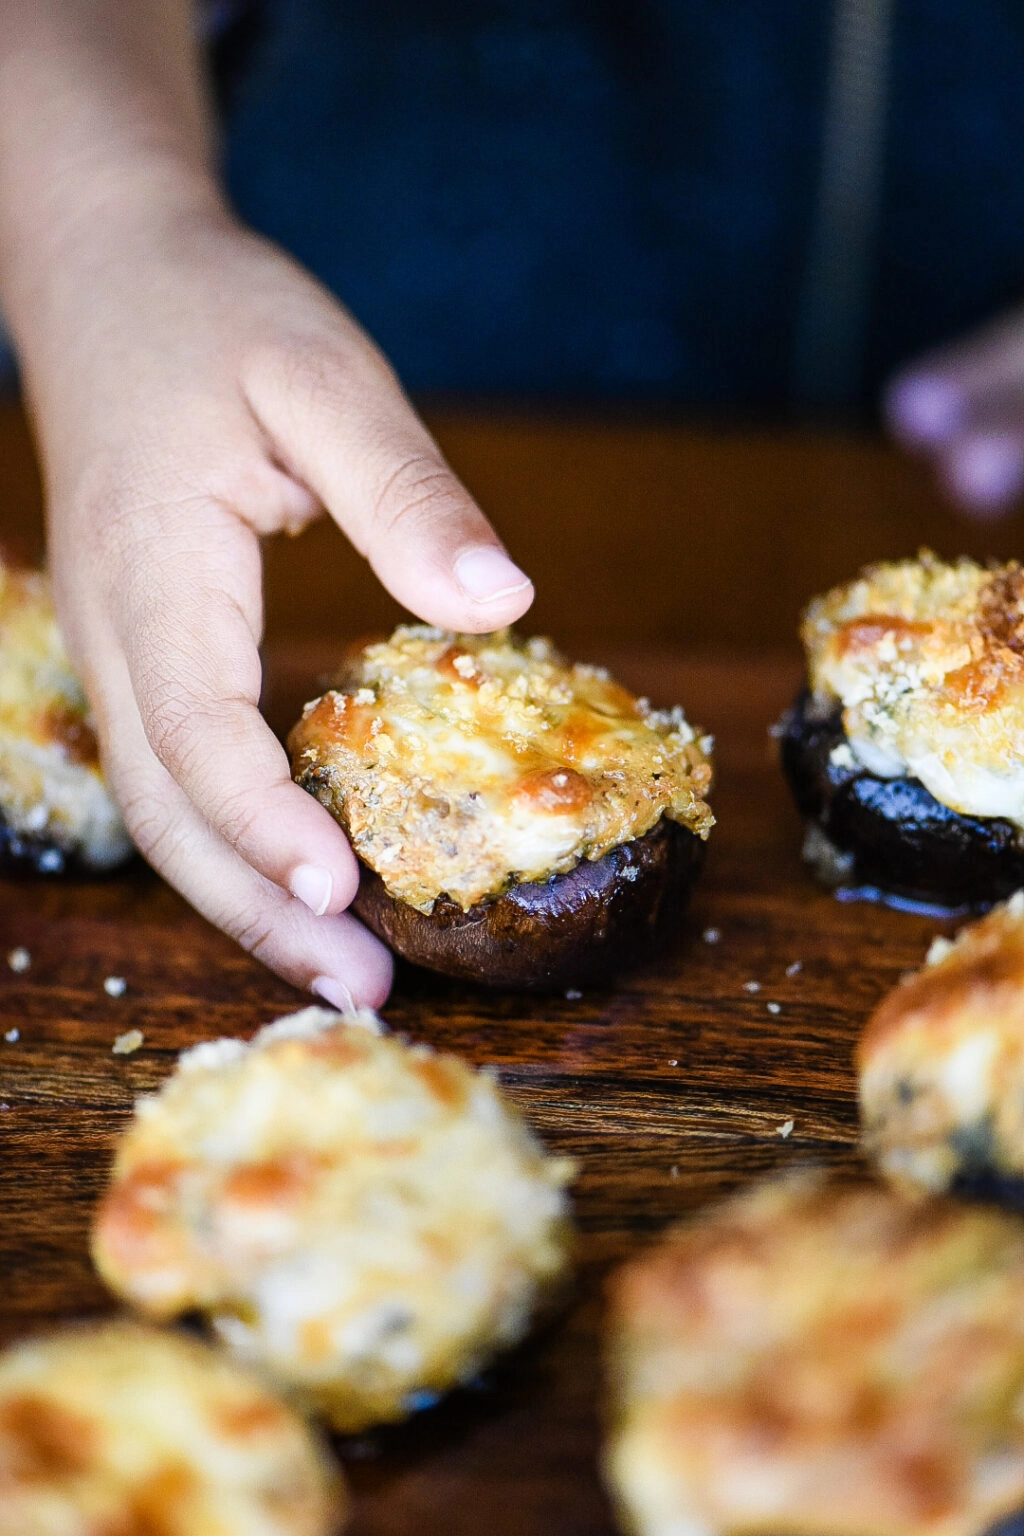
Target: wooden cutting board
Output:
[(669, 1088)]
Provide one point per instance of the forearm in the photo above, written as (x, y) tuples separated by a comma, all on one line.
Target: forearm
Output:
[(103, 124)]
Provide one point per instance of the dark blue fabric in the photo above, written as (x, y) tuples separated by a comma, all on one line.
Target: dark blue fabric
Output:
[(951, 248), (609, 199)]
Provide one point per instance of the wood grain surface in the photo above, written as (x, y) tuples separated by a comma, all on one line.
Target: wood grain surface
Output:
[(669, 1088), (635, 531)]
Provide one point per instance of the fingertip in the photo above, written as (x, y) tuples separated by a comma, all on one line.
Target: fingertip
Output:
[(495, 592), (985, 473), (483, 617), (924, 409), (364, 978)]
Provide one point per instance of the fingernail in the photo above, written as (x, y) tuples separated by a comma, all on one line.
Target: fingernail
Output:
[(334, 993), (486, 574), (312, 886), (988, 471), (926, 410)]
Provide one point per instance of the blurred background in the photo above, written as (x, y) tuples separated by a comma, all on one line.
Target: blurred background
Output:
[(646, 265)]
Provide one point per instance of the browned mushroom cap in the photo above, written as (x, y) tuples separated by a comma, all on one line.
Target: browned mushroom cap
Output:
[(579, 926)]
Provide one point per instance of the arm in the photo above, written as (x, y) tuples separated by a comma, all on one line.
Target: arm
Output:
[(193, 389)]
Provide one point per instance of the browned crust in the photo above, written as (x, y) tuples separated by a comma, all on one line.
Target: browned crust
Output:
[(981, 977), (541, 936)]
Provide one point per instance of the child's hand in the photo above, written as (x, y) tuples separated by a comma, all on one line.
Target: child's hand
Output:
[(195, 390), (964, 407)]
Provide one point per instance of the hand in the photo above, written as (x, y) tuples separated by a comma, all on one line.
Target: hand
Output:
[(963, 406), (198, 391)]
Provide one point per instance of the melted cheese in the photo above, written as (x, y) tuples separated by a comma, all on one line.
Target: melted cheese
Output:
[(121, 1429), (461, 764), (824, 1360), (941, 1062), (927, 660), (363, 1219), (51, 787)]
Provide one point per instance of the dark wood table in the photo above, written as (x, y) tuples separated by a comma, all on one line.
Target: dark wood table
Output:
[(670, 1088)]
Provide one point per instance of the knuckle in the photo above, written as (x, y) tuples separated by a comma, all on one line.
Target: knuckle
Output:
[(256, 935), (416, 495), (150, 825), (316, 375), (174, 729), (235, 814)]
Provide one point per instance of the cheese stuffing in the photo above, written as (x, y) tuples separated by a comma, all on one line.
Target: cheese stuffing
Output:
[(927, 662), (120, 1430), (821, 1359), (463, 764), (364, 1219), (51, 789), (941, 1063)]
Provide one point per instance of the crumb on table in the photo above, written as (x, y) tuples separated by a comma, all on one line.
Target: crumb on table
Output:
[(130, 1041)]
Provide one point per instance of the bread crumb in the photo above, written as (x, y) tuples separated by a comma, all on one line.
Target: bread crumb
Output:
[(573, 996), (774, 1007), (130, 1041), (674, 1171), (310, 1022), (711, 935), (751, 986), (784, 1129), (795, 968), (11, 1035), (673, 1062), (115, 986), (19, 959), (938, 950)]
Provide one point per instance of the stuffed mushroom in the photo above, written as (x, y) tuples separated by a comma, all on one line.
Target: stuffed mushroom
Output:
[(56, 811), (364, 1221), (820, 1358), (941, 1066), (906, 750), (520, 820)]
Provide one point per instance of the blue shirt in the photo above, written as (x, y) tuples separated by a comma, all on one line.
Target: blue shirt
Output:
[(617, 199)]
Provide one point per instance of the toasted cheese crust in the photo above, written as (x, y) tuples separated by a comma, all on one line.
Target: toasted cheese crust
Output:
[(462, 764), (366, 1220), (927, 660), (821, 1358), (120, 1430), (51, 787), (941, 1062)]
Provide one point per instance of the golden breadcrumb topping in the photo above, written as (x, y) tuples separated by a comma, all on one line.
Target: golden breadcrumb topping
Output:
[(120, 1430), (927, 659), (821, 1359), (462, 764), (941, 1062), (366, 1220), (50, 781)]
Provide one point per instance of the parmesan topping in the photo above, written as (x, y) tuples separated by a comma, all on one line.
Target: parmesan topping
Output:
[(119, 1430), (941, 1061), (824, 1360), (463, 764), (50, 781), (927, 660), (365, 1220)]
